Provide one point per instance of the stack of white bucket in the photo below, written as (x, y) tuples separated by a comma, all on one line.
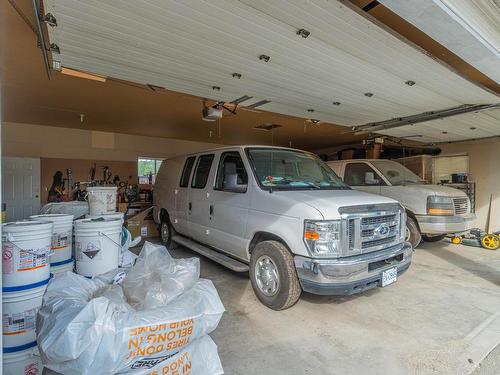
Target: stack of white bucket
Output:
[(25, 275), (98, 237), (61, 257)]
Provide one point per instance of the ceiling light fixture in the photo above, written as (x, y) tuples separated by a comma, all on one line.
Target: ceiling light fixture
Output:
[(310, 110), (410, 83), (216, 88), (236, 75), (314, 121), (336, 103), (303, 33), (264, 58), (79, 74), (444, 132), (472, 128), (368, 94)]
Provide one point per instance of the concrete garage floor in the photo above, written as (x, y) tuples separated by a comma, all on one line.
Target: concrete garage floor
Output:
[(442, 316)]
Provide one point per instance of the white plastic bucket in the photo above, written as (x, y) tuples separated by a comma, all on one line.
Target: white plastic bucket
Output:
[(97, 245), (102, 199), (24, 362), (19, 311), (62, 267), (108, 215), (25, 254), (62, 235)]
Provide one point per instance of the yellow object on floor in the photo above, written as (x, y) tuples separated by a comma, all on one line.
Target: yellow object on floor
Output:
[(490, 241)]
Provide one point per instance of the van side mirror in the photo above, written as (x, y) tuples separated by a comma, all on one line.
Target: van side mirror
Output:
[(231, 184), (370, 179)]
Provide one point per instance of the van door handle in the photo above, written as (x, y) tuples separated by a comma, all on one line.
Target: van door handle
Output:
[(190, 206), (211, 210)]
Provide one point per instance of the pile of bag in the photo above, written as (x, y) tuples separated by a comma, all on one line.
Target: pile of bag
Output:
[(151, 319)]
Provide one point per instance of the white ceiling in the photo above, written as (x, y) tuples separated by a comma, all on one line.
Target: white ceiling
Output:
[(468, 28), (190, 46)]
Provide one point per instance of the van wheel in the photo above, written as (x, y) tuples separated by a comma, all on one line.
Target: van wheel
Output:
[(166, 233), (273, 276), (413, 235), (436, 238)]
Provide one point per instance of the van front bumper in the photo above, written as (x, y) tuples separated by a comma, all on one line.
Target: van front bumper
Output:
[(445, 224), (356, 274)]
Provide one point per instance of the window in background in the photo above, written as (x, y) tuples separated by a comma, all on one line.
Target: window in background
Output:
[(147, 167)]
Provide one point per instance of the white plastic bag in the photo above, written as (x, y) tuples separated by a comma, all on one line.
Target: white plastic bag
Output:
[(199, 357), (157, 278), (86, 327)]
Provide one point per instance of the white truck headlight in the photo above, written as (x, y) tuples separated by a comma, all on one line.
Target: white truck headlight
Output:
[(437, 205), (322, 238)]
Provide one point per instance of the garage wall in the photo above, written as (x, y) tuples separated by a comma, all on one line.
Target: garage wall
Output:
[(483, 168), (25, 140), (126, 170)]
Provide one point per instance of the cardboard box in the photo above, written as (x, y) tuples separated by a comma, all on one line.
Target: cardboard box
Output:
[(143, 224)]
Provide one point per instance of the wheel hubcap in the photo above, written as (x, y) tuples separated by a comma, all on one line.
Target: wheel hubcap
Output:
[(165, 232), (266, 276)]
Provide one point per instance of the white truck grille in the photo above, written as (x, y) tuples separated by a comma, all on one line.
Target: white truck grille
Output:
[(372, 228), (461, 205)]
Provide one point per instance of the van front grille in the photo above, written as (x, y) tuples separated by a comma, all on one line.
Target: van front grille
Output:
[(374, 229)]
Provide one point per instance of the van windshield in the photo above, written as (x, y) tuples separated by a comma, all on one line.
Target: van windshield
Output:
[(281, 169), (396, 173)]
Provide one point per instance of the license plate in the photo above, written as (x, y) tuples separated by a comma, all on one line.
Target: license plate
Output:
[(389, 276)]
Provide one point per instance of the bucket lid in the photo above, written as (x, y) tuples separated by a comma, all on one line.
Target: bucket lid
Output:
[(102, 221), (23, 226), (107, 215), (91, 188), (53, 217)]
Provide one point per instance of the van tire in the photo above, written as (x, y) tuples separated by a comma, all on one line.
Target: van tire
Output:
[(435, 238), (414, 233), (289, 289), (166, 233)]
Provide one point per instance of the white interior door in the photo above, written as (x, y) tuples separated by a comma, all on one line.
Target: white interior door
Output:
[(21, 187)]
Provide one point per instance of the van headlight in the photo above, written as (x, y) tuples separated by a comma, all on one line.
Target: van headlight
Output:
[(322, 238), (437, 205)]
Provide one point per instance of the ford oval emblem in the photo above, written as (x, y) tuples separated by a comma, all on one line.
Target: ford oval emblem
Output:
[(382, 230)]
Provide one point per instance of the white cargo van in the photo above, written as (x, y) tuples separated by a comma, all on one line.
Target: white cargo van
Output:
[(283, 216), (433, 210)]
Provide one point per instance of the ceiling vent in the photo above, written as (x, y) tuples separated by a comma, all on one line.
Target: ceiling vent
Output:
[(267, 127)]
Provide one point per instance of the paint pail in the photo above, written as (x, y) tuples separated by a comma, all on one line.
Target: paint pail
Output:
[(25, 254), (19, 311), (24, 362), (102, 199), (62, 235), (58, 268), (108, 215), (97, 245)]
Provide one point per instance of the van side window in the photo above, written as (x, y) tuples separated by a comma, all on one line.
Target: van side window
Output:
[(186, 171), (231, 174), (202, 171), (361, 174)]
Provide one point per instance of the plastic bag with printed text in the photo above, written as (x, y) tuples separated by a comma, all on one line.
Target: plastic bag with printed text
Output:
[(160, 310)]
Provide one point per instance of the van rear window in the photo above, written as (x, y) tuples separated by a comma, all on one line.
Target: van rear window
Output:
[(186, 172)]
